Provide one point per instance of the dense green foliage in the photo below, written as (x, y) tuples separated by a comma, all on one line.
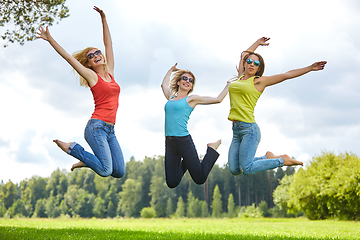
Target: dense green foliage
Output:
[(27, 15), (328, 188), (85, 194), (240, 228)]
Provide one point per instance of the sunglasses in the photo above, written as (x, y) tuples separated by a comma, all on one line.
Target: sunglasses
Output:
[(91, 55), (185, 78), (250, 61)]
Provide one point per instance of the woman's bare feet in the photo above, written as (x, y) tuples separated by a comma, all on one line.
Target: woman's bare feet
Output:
[(214, 145), (77, 165), (288, 161), (270, 155), (63, 145)]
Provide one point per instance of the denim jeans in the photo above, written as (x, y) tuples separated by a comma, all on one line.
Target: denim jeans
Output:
[(107, 158), (181, 155), (246, 138)]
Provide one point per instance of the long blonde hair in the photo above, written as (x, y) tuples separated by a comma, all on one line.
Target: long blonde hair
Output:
[(81, 56), (174, 87)]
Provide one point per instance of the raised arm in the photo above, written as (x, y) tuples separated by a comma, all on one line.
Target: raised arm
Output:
[(109, 53), (262, 82), (87, 73), (260, 42), (193, 100), (165, 83)]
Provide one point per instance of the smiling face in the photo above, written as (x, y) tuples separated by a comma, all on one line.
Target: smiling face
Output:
[(186, 82), (95, 58)]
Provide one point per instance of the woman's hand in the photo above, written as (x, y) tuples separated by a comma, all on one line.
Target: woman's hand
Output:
[(102, 14), (44, 33), (318, 65), (174, 68), (263, 41)]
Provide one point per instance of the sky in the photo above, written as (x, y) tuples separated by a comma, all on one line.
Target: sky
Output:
[(41, 100)]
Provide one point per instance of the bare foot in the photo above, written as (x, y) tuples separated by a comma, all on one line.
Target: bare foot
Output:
[(270, 155), (288, 161), (63, 145), (77, 165), (214, 145)]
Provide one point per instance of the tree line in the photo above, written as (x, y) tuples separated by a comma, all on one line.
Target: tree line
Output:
[(85, 194), (328, 188)]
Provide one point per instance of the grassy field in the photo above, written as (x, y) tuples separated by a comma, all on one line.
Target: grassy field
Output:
[(177, 229)]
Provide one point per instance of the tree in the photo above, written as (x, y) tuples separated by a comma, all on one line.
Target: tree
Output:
[(33, 189), (40, 208), (191, 206), (169, 208), (180, 209), (328, 188), (85, 204), (18, 208), (204, 210), (28, 15), (2, 208), (52, 208), (8, 193), (216, 203), (99, 210), (281, 195), (231, 206), (130, 196)]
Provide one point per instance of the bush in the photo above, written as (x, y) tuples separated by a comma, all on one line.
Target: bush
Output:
[(250, 212), (148, 212)]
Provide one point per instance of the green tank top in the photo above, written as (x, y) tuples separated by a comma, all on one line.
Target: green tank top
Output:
[(243, 98)]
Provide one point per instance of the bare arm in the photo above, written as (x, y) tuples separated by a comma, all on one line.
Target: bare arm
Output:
[(165, 83), (262, 82), (87, 73), (109, 53), (194, 100), (260, 42)]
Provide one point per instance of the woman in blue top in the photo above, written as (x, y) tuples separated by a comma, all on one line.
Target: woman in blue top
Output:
[(180, 152)]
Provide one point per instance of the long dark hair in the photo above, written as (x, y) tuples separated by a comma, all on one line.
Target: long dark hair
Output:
[(261, 69)]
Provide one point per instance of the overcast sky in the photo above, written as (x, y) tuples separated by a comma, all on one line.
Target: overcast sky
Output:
[(41, 99)]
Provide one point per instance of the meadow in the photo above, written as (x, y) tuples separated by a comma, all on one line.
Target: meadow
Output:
[(207, 228)]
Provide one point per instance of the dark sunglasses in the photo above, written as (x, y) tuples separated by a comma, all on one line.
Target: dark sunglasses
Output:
[(249, 61), (91, 55), (185, 78)]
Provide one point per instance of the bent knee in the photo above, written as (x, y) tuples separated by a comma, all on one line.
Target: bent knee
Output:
[(200, 181), (235, 171), (172, 184)]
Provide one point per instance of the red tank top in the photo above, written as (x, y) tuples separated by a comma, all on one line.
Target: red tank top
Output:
[(106, 99)]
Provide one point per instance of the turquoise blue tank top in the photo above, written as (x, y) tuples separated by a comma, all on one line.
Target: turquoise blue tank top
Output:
[(177, 113)]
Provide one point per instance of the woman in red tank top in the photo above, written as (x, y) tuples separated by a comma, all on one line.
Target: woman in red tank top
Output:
[(97, 73)]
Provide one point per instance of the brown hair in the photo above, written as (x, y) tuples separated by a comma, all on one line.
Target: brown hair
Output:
[(174, 87), (261, 69), (81, 56)]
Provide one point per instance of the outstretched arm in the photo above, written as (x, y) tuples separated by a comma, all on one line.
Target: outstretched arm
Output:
[(260, 42), (265, 81), (109, 53), (193, 100), (87, 73), (165, 83)]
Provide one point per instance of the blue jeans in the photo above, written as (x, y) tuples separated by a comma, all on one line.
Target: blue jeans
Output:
[(246, 138), (181, 155), (108, 159)]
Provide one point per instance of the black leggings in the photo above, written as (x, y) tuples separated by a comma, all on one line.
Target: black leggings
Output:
[(181, 155)]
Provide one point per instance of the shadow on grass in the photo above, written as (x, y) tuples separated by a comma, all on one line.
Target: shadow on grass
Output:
[(86, 233)]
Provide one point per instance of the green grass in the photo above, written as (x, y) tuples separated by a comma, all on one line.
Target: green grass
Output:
[(177, 229)]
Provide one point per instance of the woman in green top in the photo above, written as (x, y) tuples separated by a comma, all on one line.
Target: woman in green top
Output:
[(244, 94)]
